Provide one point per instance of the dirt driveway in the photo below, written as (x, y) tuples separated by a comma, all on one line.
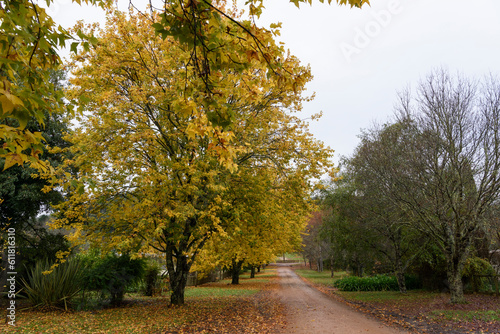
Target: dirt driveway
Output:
[(310, 311)]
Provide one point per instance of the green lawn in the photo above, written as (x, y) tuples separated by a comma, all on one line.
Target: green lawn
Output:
[(216, 292), (323, 278), (291, 257), (384, 296)]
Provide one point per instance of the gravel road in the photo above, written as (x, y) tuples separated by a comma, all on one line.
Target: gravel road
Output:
[(309, 311)]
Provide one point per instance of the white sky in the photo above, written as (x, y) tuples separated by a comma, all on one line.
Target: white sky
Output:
[(361, 58)]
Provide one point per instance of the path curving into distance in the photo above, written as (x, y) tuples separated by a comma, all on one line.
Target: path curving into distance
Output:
[(309, 311)]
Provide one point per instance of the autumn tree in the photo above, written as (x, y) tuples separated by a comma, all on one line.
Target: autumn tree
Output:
[(315, 246), (270, 194), (442, 165), (218, 39), (29, 41), (266, 219), (154, 170)]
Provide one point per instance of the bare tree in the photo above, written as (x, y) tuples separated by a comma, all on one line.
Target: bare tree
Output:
[(450, 167)]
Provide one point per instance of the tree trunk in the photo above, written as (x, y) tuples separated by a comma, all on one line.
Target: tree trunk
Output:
[(361, 267), (456, 287), (331, 266), (357, 267), (252, 272), (320, 265), (454, 274), (400, 276), (235, 278), (258, 269), (178, 274), (400, 269), (177, 296), (235, 271), (320, 261), (456, 253)]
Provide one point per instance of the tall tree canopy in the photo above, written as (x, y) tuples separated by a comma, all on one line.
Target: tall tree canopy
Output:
[(217, 38), (154, 170), (30, 39)]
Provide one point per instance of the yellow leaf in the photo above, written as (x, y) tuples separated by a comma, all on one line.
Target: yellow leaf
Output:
[(7, 105), (13, 159)]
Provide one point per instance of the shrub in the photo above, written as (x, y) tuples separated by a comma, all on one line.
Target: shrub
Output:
[(55, 289), (374, 283), (152, 279), (475, 267), (112, 274), (413, 282)]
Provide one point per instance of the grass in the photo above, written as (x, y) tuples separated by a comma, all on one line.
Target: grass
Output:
[(128, 319), (458, 315), (323, 278), (217, 292), (216, 306), (223, 288), (291, 257), (385, 296)]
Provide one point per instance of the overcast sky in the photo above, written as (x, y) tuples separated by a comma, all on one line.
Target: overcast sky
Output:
[(360, 58)]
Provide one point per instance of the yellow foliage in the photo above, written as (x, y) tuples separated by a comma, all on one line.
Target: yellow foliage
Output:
[(159, 166), (29, 39)]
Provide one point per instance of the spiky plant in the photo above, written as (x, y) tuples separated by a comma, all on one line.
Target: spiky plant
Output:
[(53, 288)]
